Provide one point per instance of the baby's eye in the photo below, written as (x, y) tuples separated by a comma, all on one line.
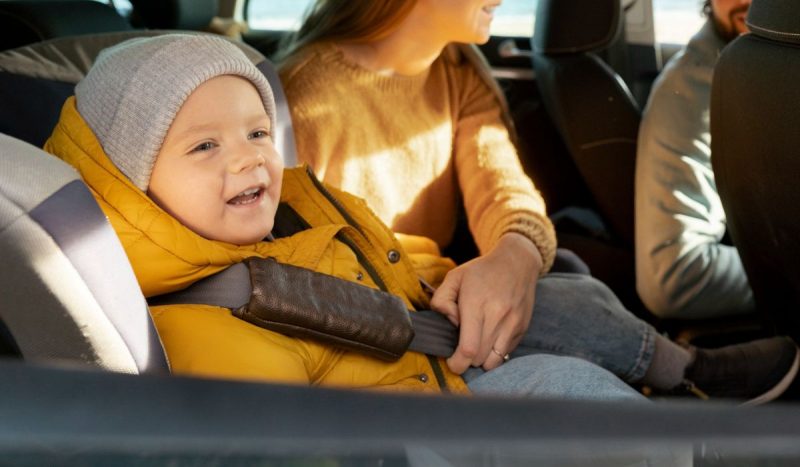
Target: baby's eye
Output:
[(202, 147), (259, 134)]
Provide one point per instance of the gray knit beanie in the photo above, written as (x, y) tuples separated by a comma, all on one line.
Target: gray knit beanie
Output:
[(131, 95)]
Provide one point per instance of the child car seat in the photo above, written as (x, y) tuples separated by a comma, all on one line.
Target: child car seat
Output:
[(25, 22)]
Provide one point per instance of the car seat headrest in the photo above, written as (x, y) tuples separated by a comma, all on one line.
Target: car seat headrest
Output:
[(192, 15), (25, 22), (575, 26), (775, 19)]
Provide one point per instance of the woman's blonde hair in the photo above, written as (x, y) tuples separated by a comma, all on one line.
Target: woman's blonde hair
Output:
[(346, 21)]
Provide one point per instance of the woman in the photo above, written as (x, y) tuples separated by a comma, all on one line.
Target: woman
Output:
[(429, 153), (384, 105)]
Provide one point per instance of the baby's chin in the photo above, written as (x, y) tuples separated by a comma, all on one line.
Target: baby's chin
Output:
[(242, 238), (250, 240)]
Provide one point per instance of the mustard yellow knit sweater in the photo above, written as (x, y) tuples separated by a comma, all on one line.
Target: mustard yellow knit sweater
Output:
[(415, 146)]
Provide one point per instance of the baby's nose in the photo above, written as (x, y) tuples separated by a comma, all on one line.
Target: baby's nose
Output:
[(245, 160)]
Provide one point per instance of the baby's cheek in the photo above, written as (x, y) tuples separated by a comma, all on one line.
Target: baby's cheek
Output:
[(275, 187)]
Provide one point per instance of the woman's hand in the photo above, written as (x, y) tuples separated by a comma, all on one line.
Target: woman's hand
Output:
[(491, 299)]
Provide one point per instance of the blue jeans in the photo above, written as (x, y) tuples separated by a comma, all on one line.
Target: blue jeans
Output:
[(578, 316), (550, 377)]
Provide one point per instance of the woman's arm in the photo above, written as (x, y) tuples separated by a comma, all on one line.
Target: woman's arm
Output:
[(492, 297)]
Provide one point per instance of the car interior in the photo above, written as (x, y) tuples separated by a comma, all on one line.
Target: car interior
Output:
[(86, 381)]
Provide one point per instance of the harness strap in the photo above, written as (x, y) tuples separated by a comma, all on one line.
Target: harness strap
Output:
[(434, 334)]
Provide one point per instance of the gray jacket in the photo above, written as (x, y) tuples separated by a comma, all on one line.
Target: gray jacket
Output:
[(682, 269)]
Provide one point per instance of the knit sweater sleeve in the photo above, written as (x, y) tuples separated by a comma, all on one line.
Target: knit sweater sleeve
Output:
[(683, 270), (499, 198)]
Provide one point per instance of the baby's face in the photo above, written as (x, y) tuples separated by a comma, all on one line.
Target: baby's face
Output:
[(218, 171)]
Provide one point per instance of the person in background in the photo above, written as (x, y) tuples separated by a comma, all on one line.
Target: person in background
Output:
[(684, 268), (388, 103)]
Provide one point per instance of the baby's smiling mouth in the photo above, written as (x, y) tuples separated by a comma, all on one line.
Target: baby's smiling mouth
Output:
[(248, 196)]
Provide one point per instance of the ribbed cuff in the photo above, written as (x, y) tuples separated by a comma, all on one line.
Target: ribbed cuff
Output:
[(539, 230)]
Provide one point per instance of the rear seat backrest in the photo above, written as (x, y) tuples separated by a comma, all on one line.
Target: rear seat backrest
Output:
[(26, 22), (589, 103), (67, 291), (174, 14), (35, 80), (754, 139)]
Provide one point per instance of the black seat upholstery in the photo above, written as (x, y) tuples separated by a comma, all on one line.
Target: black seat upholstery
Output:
[(590, 105), (755, 140), (26, 22), (35, 81), (598, 121), (174, 14), (68, 291)]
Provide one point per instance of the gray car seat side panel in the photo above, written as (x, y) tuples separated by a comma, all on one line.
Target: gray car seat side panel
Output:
[(29, 175), (66, 289), (83, 234)]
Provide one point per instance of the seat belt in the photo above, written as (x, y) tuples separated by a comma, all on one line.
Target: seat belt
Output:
[(434, 334)]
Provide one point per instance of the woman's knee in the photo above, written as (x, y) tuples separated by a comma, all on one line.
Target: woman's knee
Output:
[(567, 261), (576, 290)]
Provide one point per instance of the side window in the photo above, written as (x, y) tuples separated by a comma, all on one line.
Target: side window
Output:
[(676, 21), (512, 18), (276, 15)]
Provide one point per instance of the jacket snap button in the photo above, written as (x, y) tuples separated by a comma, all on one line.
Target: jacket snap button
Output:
[(423, 377), (359, 276), (394, 256)]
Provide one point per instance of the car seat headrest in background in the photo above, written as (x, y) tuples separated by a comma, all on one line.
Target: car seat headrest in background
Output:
[(589, 104), (26, 22), (754, 141), (776, 20), (35, 80), (174, 14), (576, 26), (68, 291)]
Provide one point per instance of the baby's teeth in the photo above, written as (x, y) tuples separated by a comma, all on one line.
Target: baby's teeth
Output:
[(249, 192)]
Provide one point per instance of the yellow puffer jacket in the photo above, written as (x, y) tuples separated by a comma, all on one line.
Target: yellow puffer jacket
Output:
[(209, 341)]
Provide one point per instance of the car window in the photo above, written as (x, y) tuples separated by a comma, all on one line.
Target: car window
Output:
[(280, 15), (512, 18), (676, 21)]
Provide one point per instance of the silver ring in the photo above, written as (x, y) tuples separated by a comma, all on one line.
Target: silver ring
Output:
[(505, 357)]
